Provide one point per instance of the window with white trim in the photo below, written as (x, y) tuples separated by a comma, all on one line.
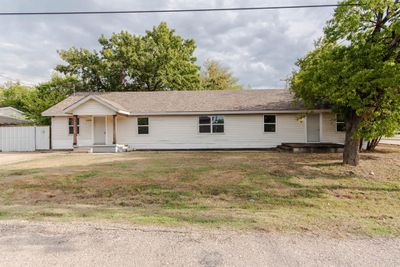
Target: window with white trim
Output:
[(143, 125), (340, 124), (211, 124), (71, 125), (269, 123)]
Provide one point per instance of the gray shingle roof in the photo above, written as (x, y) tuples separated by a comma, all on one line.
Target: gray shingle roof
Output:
[(4, 120), (167, 102)]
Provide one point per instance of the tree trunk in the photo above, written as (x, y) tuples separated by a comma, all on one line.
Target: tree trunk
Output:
[(351, 153), (372, 144)]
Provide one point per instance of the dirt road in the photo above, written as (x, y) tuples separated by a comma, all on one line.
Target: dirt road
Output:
[(25, 243)]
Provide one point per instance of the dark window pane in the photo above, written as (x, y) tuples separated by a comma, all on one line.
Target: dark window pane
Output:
[(143, 130), (204, 120), (143, 121), (204, 128), (339, 118), (218, 128), (218, 119), (71, 121), (340, 127), (269, 128), (269, 119), (71, 125)]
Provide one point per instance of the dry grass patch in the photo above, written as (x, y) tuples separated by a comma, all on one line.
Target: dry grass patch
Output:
[(260, 190)]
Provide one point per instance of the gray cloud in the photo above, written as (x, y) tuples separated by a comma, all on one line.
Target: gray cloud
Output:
[(260, 47)]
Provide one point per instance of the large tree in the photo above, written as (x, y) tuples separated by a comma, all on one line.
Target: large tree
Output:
[(355, 69), (13, 95), (47, 94), (217, 77), (159, 60)]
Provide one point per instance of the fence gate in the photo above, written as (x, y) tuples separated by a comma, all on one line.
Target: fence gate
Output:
[(25, 138), (42, 136)]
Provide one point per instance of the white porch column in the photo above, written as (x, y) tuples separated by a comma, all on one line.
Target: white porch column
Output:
[(92, 130), (106, 126)]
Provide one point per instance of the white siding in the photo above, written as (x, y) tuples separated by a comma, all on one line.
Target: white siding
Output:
[(60, 137), (94, 108), (329, 133), (181, 132)]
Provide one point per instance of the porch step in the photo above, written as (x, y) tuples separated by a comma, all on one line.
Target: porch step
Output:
[(109, 149), (311, 148)]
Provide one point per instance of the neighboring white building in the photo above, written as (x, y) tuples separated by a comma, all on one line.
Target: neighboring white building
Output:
[(10, 116), (12, 113), (228, 119)]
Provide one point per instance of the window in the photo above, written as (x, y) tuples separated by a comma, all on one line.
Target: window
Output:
[(143, 125), (340, 125), (269, 123), (71, 125), (211, 124)]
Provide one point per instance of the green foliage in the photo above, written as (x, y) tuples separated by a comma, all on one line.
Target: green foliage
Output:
[(47, 95), (217, 77), (159, 60), (14, 94), (355, 68), (34, 100)]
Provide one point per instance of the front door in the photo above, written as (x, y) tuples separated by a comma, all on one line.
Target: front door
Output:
[(313, 128), (99, 131)]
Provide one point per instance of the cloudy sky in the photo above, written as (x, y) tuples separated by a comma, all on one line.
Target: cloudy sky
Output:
[(260, 47)]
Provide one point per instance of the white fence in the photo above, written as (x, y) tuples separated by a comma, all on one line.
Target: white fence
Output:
[(26, 138)]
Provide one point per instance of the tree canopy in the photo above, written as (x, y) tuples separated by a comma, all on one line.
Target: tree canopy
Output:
[(159, 60), (13, 95), (34, 100), (217, 77), (355, 69)]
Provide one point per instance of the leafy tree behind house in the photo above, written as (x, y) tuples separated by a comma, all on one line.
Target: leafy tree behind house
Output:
[(14, 94), (34, 100), (355, 69), (46, 95), (159, 60), (217, 77)]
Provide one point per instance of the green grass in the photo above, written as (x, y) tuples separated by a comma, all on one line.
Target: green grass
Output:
[(246, 190)]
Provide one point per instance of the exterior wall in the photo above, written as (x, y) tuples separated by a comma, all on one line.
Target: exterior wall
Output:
[(60, 137), (181, 132), (328, 129), (94, 108)]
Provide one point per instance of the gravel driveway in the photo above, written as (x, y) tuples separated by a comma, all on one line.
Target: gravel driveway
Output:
[(101, 244)]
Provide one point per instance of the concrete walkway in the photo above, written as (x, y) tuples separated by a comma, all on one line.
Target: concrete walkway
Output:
[(95, 244)]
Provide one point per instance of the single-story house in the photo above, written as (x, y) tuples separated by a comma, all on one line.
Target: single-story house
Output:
[(228, 119)]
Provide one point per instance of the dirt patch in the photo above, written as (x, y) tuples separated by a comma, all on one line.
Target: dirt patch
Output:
[(260, 190)]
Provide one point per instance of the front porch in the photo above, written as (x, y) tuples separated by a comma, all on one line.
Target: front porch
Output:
[(311, 147), (96, 134)]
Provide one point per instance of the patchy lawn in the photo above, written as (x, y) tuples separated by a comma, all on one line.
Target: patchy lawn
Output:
[(248, 190)]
